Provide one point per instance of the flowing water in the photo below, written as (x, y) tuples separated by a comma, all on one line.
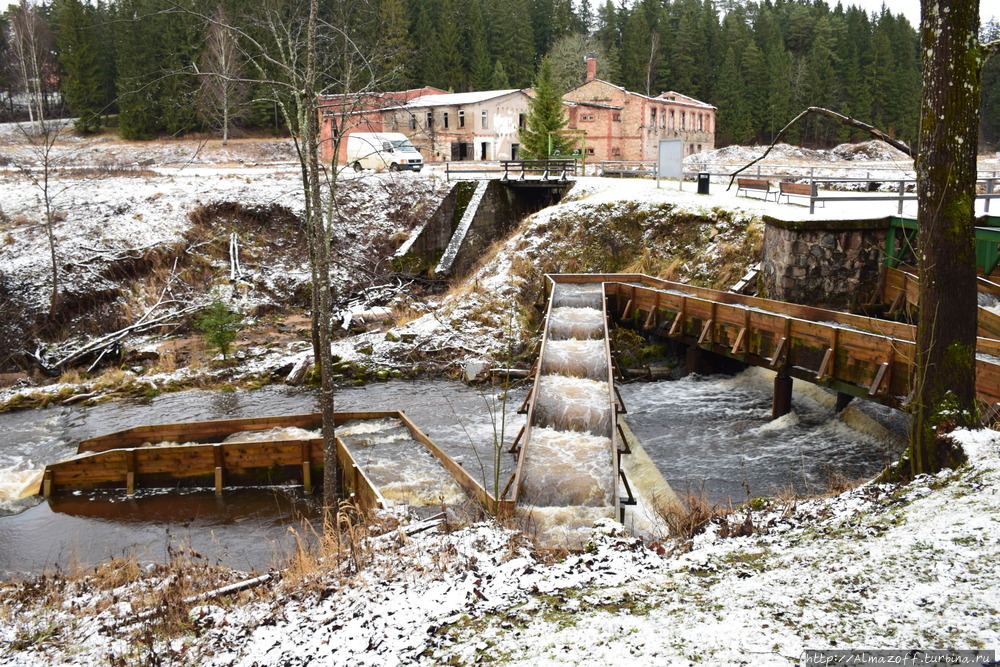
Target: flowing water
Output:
[(402, 469), (714, 435), (568, 477), (246, 527)]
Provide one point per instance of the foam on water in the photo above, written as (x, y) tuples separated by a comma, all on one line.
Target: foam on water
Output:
[(578, 296), (713, 434), (276, 433), (576, 358), (579, 323), (573, 404), (567, 468), (400, 467), (18, 484), (562, 527)]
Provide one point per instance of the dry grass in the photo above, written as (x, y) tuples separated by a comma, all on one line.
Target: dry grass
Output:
[(72, 376), (167, 363), (403, 315)]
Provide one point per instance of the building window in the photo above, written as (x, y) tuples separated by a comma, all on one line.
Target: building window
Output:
[(587, 118), (616, 117), (616, 151), (413, 122), (699, 148), (672, 125), (652, 117), (663, 119), (520, 120), (486, 120), (701, 123), (682, 121), (430, 119), (590, 151), (444, 120), (461, 119)]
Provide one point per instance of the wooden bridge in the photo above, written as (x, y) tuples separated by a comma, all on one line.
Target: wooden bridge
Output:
[(518, 173)]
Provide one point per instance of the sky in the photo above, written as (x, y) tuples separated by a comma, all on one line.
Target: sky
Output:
[(908, 8)]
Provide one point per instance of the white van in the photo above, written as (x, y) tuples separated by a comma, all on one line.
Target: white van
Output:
[(382, 150)]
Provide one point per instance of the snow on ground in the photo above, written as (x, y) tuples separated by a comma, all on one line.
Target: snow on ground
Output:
[(877, 567)]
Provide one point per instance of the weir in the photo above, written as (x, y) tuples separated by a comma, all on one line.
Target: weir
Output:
[(569, 453)]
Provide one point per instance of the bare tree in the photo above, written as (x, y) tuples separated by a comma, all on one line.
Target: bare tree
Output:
[(223, 93), (31, 48), (41, 136), (299, 58)]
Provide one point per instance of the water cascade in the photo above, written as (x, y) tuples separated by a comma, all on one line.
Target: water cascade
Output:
[(400, 467), (579, 323), (576, 358), (567, 479)]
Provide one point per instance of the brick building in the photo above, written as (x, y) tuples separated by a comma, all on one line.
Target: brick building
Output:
[(462, 126), (622, 125), (364, 113), (443, 126)]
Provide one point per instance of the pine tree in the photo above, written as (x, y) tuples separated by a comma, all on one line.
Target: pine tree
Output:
[(394, 69), (499, 79), (545, 119), (76, 41), (476, 50)]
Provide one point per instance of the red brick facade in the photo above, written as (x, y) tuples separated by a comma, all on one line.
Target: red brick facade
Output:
[(623, 125)]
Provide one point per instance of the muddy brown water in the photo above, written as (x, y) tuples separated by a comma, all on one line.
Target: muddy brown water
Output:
[(707, 434), (245, 528)]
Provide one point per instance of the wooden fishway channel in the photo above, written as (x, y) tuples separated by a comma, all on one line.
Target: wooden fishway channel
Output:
[(855, 355), (132, 458), (901, 289), (513, 490)]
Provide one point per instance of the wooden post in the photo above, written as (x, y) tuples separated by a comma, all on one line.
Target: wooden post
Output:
[(694, 361), (47, 483), (217, 455), (782, 401), (843, 400), (129, 472), (306, 469)]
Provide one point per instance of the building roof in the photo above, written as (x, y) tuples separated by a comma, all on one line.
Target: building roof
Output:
[(597, 105), (663, 97), (458, 99)]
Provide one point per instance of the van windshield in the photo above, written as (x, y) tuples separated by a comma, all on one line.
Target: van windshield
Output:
[(404, 146)]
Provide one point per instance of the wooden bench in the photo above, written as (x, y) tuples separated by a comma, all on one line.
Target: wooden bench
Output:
[(760, 185), (789, 190)]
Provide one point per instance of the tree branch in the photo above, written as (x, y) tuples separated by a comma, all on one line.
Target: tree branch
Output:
[(845, 120)]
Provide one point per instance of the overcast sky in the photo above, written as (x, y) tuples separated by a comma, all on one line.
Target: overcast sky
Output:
[(908, 8)]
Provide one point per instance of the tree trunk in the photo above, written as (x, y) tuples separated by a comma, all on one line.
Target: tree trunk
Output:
[(945, 396), (322, 298)]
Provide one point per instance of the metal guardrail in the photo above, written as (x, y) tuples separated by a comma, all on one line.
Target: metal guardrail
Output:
[(515, 170)]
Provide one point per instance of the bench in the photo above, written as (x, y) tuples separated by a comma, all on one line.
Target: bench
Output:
[(789, 190), (760, 185)]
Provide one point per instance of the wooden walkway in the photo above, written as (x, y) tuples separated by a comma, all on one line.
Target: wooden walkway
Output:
[(861, 356), (901, 290)]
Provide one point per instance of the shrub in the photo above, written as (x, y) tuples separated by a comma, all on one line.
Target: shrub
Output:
[(219, 326)]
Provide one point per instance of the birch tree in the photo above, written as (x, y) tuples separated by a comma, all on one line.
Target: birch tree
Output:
[(222, 95)]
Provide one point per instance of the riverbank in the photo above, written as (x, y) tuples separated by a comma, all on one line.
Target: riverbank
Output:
[(877, 567)]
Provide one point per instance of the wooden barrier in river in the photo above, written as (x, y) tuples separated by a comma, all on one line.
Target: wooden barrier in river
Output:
[(138, 458)]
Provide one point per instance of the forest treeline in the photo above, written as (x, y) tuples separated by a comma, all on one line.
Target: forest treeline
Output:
[(148, 63)]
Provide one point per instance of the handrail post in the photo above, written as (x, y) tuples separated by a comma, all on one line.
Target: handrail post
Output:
[(901, 189), (989, 191)]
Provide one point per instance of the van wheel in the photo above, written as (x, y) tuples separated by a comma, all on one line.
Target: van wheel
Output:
[(357, 166), (393, 167)]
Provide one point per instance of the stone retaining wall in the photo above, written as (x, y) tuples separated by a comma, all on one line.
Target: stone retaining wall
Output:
[(824, 263)]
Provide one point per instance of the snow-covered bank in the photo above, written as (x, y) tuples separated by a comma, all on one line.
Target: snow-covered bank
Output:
[(879, 566)]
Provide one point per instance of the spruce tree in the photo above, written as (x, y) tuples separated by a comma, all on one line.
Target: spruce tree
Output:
[(545, 118), (76, 41)]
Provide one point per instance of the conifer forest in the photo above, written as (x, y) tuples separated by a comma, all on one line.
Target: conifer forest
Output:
[(142, 65)]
